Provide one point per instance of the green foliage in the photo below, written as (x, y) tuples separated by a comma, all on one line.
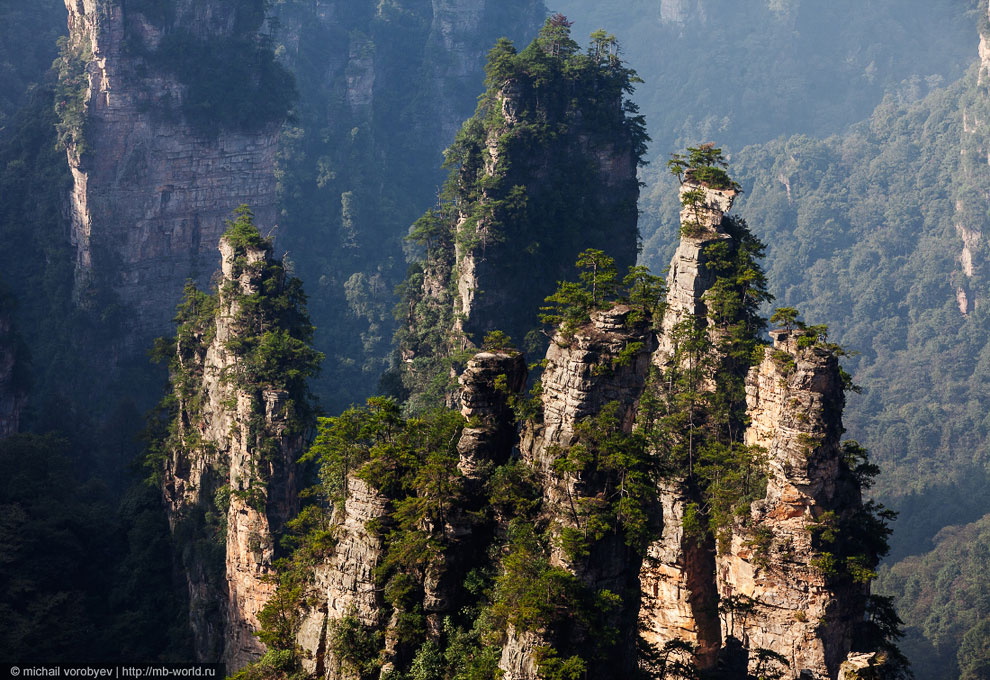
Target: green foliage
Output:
[(851, 544), (672, 661), (529, 593), (59, 603), (598, 275), (497, 341), (356, 646), (72, 94), (786, 317), (571, 304), (551, 667), (645, 291), (941, 596), (274, 665), (271, 330), (241, 232), (282, 614), (513, 491), (555, 93), (620, 472), (704, 165)]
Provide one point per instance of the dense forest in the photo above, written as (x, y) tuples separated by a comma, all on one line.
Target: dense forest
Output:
[(856, 133)]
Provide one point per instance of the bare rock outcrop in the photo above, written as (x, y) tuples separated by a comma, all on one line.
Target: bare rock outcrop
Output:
[(677, 586), (582, 374), (678, 597), (486, 384), (606, 360), (345, 585), (689, 277)]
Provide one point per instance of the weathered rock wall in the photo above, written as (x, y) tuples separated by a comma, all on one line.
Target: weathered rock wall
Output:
[(778, 597), (220, 468), (581, 376), (501, 287), (345, 585), (151, 193), (678, 591), (689, 277)]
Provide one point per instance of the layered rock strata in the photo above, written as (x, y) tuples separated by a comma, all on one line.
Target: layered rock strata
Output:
[(486, 384), (776, 596), (690, 277), (217, 468), (679, 597), (345, 585), (583, 373), (151, 193)]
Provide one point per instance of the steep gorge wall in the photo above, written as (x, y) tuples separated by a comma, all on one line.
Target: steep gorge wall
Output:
[(151, 191), (383, 89)]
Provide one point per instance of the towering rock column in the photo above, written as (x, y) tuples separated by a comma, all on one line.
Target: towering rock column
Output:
[(229, 481), (775, 591), (678, 594), (345, 585), (580, 378), (689, 278), (151, 192)]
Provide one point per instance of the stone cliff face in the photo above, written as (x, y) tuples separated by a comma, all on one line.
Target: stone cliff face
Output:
[(780, 585), (229, 478), (777, 596), (150, 190), (485, 300), (582, 375), (544, 173), (679, 597), (970, 206), (347, 584), (764, 588), (690, 277)]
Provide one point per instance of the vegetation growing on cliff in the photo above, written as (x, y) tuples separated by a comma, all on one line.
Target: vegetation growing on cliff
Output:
[(502, 216), (382, 88), (269, 334)]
